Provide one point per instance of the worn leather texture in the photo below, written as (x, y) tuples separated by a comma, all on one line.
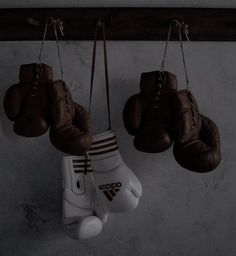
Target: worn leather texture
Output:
[(26, 103), (197, 139), (149, 115), (70, 128)]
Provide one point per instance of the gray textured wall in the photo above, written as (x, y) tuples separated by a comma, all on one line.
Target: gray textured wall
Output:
[(181, 213)]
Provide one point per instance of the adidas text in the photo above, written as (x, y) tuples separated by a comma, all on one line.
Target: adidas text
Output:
[(110, 186)]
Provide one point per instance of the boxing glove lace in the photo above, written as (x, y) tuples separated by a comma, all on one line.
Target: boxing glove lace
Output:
[(70, 129)]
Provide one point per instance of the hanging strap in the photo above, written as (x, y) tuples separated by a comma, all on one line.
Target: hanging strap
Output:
[(172, 23), (181, 27), (57, 25), (101, 25)]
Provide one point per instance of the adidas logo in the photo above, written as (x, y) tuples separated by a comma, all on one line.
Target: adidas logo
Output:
[(110, 190)]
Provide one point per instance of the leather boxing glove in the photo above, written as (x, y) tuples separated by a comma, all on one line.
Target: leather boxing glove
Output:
[(70, 130), (26, 103), (83, 217), (197, 139), (118, 189), (148, 115)]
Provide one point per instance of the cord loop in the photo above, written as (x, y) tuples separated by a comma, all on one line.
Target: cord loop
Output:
[(100, 24), (181, 27), (57, 25)]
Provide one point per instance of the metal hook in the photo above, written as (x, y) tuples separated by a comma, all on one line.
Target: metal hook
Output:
[(185, 29), (100, 22), (56, 23), (175, 22), (50, 20), (182, 26)]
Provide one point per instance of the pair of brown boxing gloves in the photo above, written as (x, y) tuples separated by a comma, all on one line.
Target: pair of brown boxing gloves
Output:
[(38, 102), (160, 115)]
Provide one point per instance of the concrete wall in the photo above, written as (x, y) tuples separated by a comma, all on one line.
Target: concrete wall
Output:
[(181, 213)]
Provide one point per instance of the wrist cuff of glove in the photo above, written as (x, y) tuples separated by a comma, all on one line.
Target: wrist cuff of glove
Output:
[(104, 152), (77, 164), (104, 145)]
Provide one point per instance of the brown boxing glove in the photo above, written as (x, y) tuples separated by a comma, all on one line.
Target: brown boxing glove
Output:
[(26, 103), (148, 115), (70, 129), (197, 139)]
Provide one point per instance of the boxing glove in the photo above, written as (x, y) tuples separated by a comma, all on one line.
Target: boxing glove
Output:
[(83, 217), (26, 103), (197, 139), (149, 115), (70, 130), (118, 189)]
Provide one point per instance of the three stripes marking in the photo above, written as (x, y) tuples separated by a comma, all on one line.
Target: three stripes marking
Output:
[(111, 193)]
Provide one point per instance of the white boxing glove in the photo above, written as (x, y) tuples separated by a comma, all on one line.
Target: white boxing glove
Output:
[(118, 189), (83, 217)]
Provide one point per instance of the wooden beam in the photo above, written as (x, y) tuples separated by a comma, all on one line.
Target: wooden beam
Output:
[(205, 24)]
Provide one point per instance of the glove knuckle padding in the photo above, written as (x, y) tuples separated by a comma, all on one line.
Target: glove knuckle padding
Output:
[(12, 102), (70, 131), (85, 228), (132, 114), (27, 102), (148, 115), (117, 187), (197, 140), (119, 202), (136, 187), (80, 218)]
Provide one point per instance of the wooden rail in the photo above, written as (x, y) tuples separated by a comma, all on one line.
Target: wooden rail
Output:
[(205, 24)]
